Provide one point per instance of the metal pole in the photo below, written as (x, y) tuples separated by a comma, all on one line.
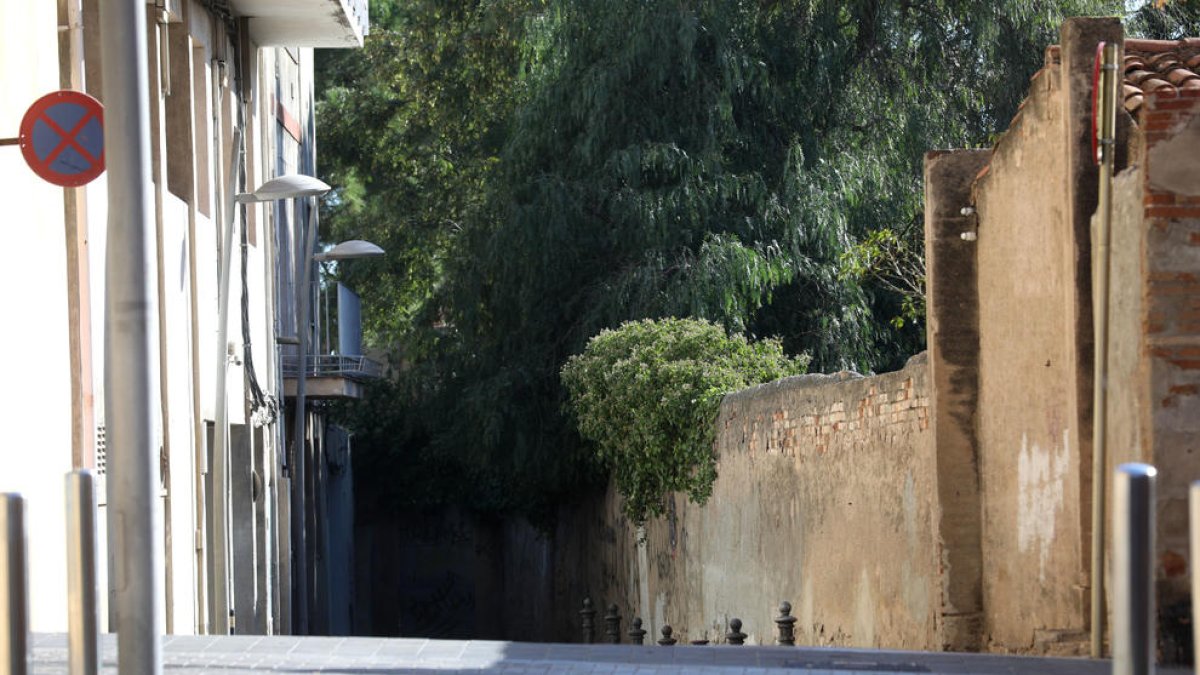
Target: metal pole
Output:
[(299, 503), (134, 511), (1107, 130), (1194, 526), (1133, 569), (220, 464), (14, 582), (82, 637)]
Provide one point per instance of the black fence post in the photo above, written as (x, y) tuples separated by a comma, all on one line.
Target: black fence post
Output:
[(666, 640), (636, 634), (612, 625), (735, 636), (588, 617)]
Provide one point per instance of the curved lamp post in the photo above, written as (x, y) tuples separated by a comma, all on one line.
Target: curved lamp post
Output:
[(291, 186), (303, 454)]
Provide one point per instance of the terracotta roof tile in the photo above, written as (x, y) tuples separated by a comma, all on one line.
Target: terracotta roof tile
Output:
[(1154, 65)]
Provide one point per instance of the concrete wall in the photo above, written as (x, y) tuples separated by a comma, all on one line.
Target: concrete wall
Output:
[(1029, 425), (952, 323)]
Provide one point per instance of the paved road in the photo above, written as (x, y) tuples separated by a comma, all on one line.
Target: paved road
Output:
[(368, 656)]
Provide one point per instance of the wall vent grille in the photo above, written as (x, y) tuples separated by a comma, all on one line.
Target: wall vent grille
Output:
[(101, 450)]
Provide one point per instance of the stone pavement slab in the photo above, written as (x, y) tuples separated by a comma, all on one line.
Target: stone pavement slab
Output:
[(245, 654)]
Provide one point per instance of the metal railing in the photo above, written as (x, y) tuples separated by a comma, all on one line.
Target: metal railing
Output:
[(319, 365)]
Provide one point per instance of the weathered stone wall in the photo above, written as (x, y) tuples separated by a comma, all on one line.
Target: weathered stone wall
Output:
[(826, 497), (1033, 206), (1029, 423)]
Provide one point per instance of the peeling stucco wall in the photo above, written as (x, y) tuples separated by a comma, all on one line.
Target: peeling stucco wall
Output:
[(1028, 419)]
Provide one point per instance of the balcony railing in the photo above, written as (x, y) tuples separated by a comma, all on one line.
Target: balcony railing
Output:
[(316, 365)]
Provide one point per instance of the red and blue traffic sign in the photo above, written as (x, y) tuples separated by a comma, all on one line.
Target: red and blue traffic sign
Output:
[(62, 138)]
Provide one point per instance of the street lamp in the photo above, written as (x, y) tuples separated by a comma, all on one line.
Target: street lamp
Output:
[(291, 186), (347, 250), (354, 248)]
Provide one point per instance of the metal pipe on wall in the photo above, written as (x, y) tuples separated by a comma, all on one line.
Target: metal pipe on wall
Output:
[(1194, 529), (220, 466), (14, 584), (1133, 569), (1106, 145), (83, 643), (134, 512)]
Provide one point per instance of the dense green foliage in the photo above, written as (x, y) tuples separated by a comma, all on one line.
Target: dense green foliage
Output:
[(648, 393), (541, 170), (1165, 19)]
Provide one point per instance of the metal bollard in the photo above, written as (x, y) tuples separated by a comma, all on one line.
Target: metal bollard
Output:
[(612, 625), (666, 640), (1133, 569), (637, 634), (83, 640), (1194, 528), (787, 625), (14, 584), (588, 617), (735, 636)]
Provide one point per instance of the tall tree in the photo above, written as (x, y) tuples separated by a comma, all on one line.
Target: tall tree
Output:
[(614, 160)]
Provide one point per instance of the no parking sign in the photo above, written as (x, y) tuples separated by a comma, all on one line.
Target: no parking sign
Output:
[(62, 138)]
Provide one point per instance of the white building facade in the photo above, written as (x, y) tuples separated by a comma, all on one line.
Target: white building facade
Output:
[(216, 66)]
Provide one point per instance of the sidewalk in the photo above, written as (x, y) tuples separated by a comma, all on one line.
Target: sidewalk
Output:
[(364, 656)]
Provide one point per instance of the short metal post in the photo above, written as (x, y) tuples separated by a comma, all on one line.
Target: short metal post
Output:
[(637, 634), (666, 640), (1133, 569), (612, 625), (14, 585), (587, 616), (787, 625), (735, 636), (82, 637), (1194, 528)]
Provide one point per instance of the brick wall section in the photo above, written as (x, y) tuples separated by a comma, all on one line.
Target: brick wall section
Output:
[(794, 434), (1171, 319)]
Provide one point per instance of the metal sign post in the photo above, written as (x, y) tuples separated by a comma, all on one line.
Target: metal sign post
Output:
[(134, 510)]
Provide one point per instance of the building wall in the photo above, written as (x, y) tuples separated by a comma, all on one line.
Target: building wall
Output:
[(201, 71), (1171, 323), (36, 403), (1028, 416)]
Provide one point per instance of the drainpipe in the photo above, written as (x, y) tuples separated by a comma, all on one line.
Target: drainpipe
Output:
[(220, 468), (1106, 140)]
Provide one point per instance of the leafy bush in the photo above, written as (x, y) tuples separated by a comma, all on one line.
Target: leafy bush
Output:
[(648, 393)]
